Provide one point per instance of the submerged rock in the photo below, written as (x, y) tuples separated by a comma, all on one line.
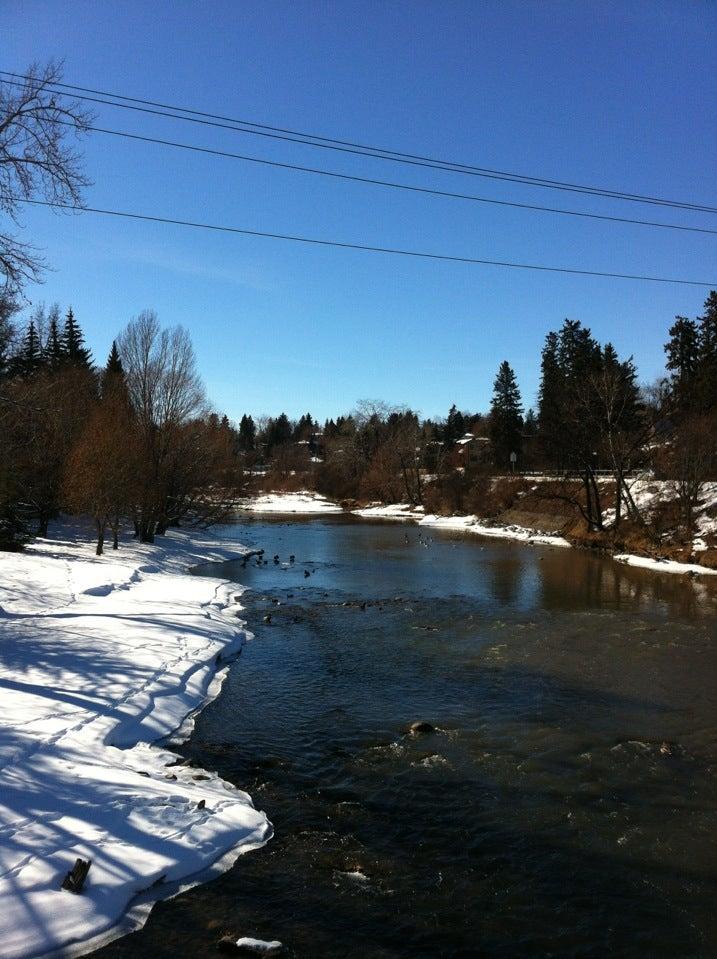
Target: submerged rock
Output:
[(421, 727)]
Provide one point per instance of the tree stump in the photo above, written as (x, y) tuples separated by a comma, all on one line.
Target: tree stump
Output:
[(75, 878)]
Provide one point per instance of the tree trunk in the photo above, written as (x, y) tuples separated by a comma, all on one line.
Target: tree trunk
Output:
[(146, 532), (100, 537), (42, 523)]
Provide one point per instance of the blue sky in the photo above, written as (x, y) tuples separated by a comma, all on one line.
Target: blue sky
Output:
[(620, 95)]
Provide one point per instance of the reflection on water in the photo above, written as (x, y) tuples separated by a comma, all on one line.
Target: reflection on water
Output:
[(564, 805)]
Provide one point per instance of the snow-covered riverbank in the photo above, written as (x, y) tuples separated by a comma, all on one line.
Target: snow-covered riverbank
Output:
[(468, 524), (99, 658), (301, 502), (314, 503)]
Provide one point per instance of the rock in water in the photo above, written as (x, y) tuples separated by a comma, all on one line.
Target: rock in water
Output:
[(421, 726)]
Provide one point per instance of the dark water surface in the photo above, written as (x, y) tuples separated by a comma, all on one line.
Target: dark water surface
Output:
[(565, 806)]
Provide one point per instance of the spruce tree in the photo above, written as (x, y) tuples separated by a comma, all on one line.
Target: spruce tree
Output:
[(506, 416), (30, 357), (550, 404), (455, 425), (54, 351), (73, 342), (114, 362), (683, 354), (707, 356), (247, 434), (113, 377)]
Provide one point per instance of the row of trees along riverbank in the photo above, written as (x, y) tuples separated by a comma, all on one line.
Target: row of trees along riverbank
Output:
[(134, 440), (594, 426)]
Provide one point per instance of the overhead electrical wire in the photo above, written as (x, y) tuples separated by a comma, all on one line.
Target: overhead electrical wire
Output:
[(386, 183), (315, 241), (345, 146)]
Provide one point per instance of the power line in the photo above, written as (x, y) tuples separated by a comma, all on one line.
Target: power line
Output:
[(345, 146), (360, 246), (387, 183)]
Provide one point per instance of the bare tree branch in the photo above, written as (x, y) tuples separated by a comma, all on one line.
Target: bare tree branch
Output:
[(36, 159)]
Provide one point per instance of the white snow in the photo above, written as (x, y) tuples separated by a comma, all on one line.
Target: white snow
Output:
[(664, 565), (301, 502), (390, 511), (260, 946), (469, 524), (99, 658)]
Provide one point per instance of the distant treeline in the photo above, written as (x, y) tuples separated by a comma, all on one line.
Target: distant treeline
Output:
[(592, 416), (135, 439)]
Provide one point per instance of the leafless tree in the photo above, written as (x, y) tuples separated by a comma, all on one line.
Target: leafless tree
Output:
[(166, 393), (37, 127)]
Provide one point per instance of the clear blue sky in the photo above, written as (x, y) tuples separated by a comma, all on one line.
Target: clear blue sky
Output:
[(617, 94)]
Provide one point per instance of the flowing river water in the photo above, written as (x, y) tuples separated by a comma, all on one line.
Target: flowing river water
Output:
[(565, 804)]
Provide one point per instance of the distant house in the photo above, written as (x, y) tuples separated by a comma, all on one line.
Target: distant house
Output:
[(471, 450)]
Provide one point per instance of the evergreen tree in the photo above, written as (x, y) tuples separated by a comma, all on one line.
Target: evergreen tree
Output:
[(29, 358), (113, 378), (73, 342), (530, 424), (707, 356), (114, 362), (304, 428), (278, 431), (683, 350), (550, 403), (506, 416), (54, 351), (455, 425), (247, 434)]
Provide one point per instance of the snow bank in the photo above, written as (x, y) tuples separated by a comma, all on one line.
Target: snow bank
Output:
[(471, 524), (302, 502), (664, 565), (392, 511), (99, 658), (468, 524)]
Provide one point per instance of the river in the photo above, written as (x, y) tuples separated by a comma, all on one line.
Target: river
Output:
[(565, 804)]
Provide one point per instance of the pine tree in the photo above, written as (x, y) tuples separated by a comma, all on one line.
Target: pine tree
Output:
[(550, 403), (29, 360), (682, 351), (455, 425), (530, 424), (114, 362), (247, 434), (73, 342), (278, 431), (113, 378), (506, 416), (707, 356), (54, 351)]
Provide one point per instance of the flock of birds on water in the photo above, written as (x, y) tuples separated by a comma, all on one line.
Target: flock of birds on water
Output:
[(260, 561)]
